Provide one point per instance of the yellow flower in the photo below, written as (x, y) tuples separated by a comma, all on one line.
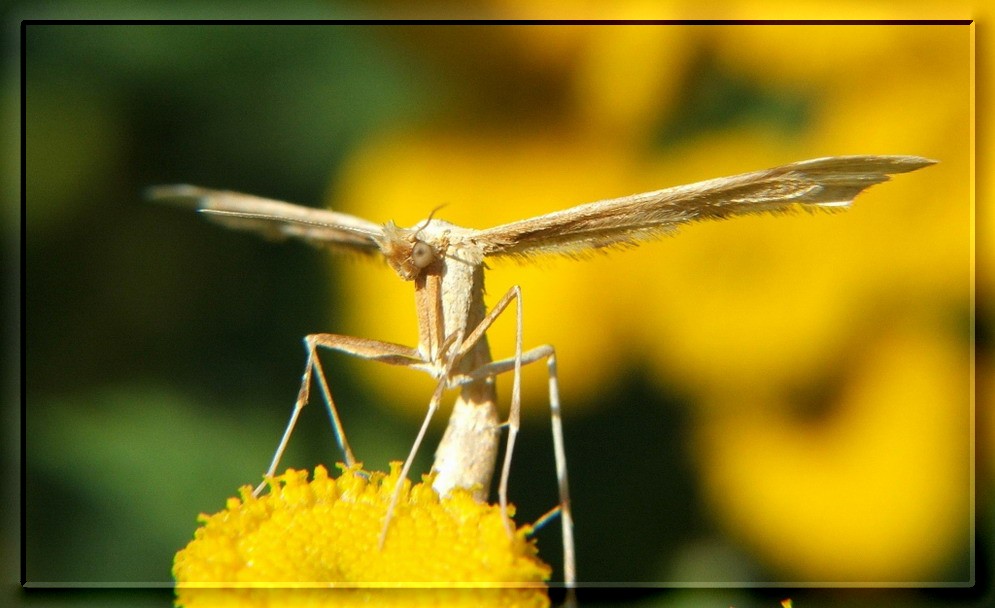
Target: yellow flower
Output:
[(317, 543), (879, 491)]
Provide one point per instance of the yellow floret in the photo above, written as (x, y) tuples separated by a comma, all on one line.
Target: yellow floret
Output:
[(317, 543)]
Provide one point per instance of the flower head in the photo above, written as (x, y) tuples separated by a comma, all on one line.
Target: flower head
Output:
[(304, 538)]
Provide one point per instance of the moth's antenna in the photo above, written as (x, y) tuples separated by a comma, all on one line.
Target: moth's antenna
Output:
[(424, 224)]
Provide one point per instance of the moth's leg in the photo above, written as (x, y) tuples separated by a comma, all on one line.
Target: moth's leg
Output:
[(385, 352), (433, 405), (514, 419), (559, 453), (515, 411)]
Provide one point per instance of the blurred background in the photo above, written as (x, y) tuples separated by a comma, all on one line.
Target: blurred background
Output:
[(763, 402)]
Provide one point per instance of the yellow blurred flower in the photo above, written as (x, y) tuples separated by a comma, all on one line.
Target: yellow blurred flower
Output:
[(879, 491), (300, 540), (614, 97)]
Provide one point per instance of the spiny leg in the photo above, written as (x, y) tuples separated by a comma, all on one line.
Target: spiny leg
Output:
[(385, 352)]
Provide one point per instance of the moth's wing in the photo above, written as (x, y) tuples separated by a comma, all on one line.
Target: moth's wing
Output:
[(274, 219), (824, 183)]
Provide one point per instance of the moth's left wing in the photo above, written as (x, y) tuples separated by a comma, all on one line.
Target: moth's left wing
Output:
[(275, 219), (825, 183)]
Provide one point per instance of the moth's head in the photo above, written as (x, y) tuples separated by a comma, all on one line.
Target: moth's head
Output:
[(405, 252)]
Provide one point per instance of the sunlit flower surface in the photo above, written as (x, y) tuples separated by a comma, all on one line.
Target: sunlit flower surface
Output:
[(316, 543)]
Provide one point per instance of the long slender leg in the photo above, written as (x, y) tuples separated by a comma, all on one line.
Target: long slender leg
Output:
[(386, 352), (515, 363), (333, 412), (302, 398), (515, 411), (433, 405), (560, 455), (559, 452)]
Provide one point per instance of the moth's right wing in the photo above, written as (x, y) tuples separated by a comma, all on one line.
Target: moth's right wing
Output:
[(822, 183), (274, 219)]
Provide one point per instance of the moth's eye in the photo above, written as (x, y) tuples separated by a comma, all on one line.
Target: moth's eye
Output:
[(422, 254)]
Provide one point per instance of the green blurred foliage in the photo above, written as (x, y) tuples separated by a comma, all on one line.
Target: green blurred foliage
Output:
[(125, 298)]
